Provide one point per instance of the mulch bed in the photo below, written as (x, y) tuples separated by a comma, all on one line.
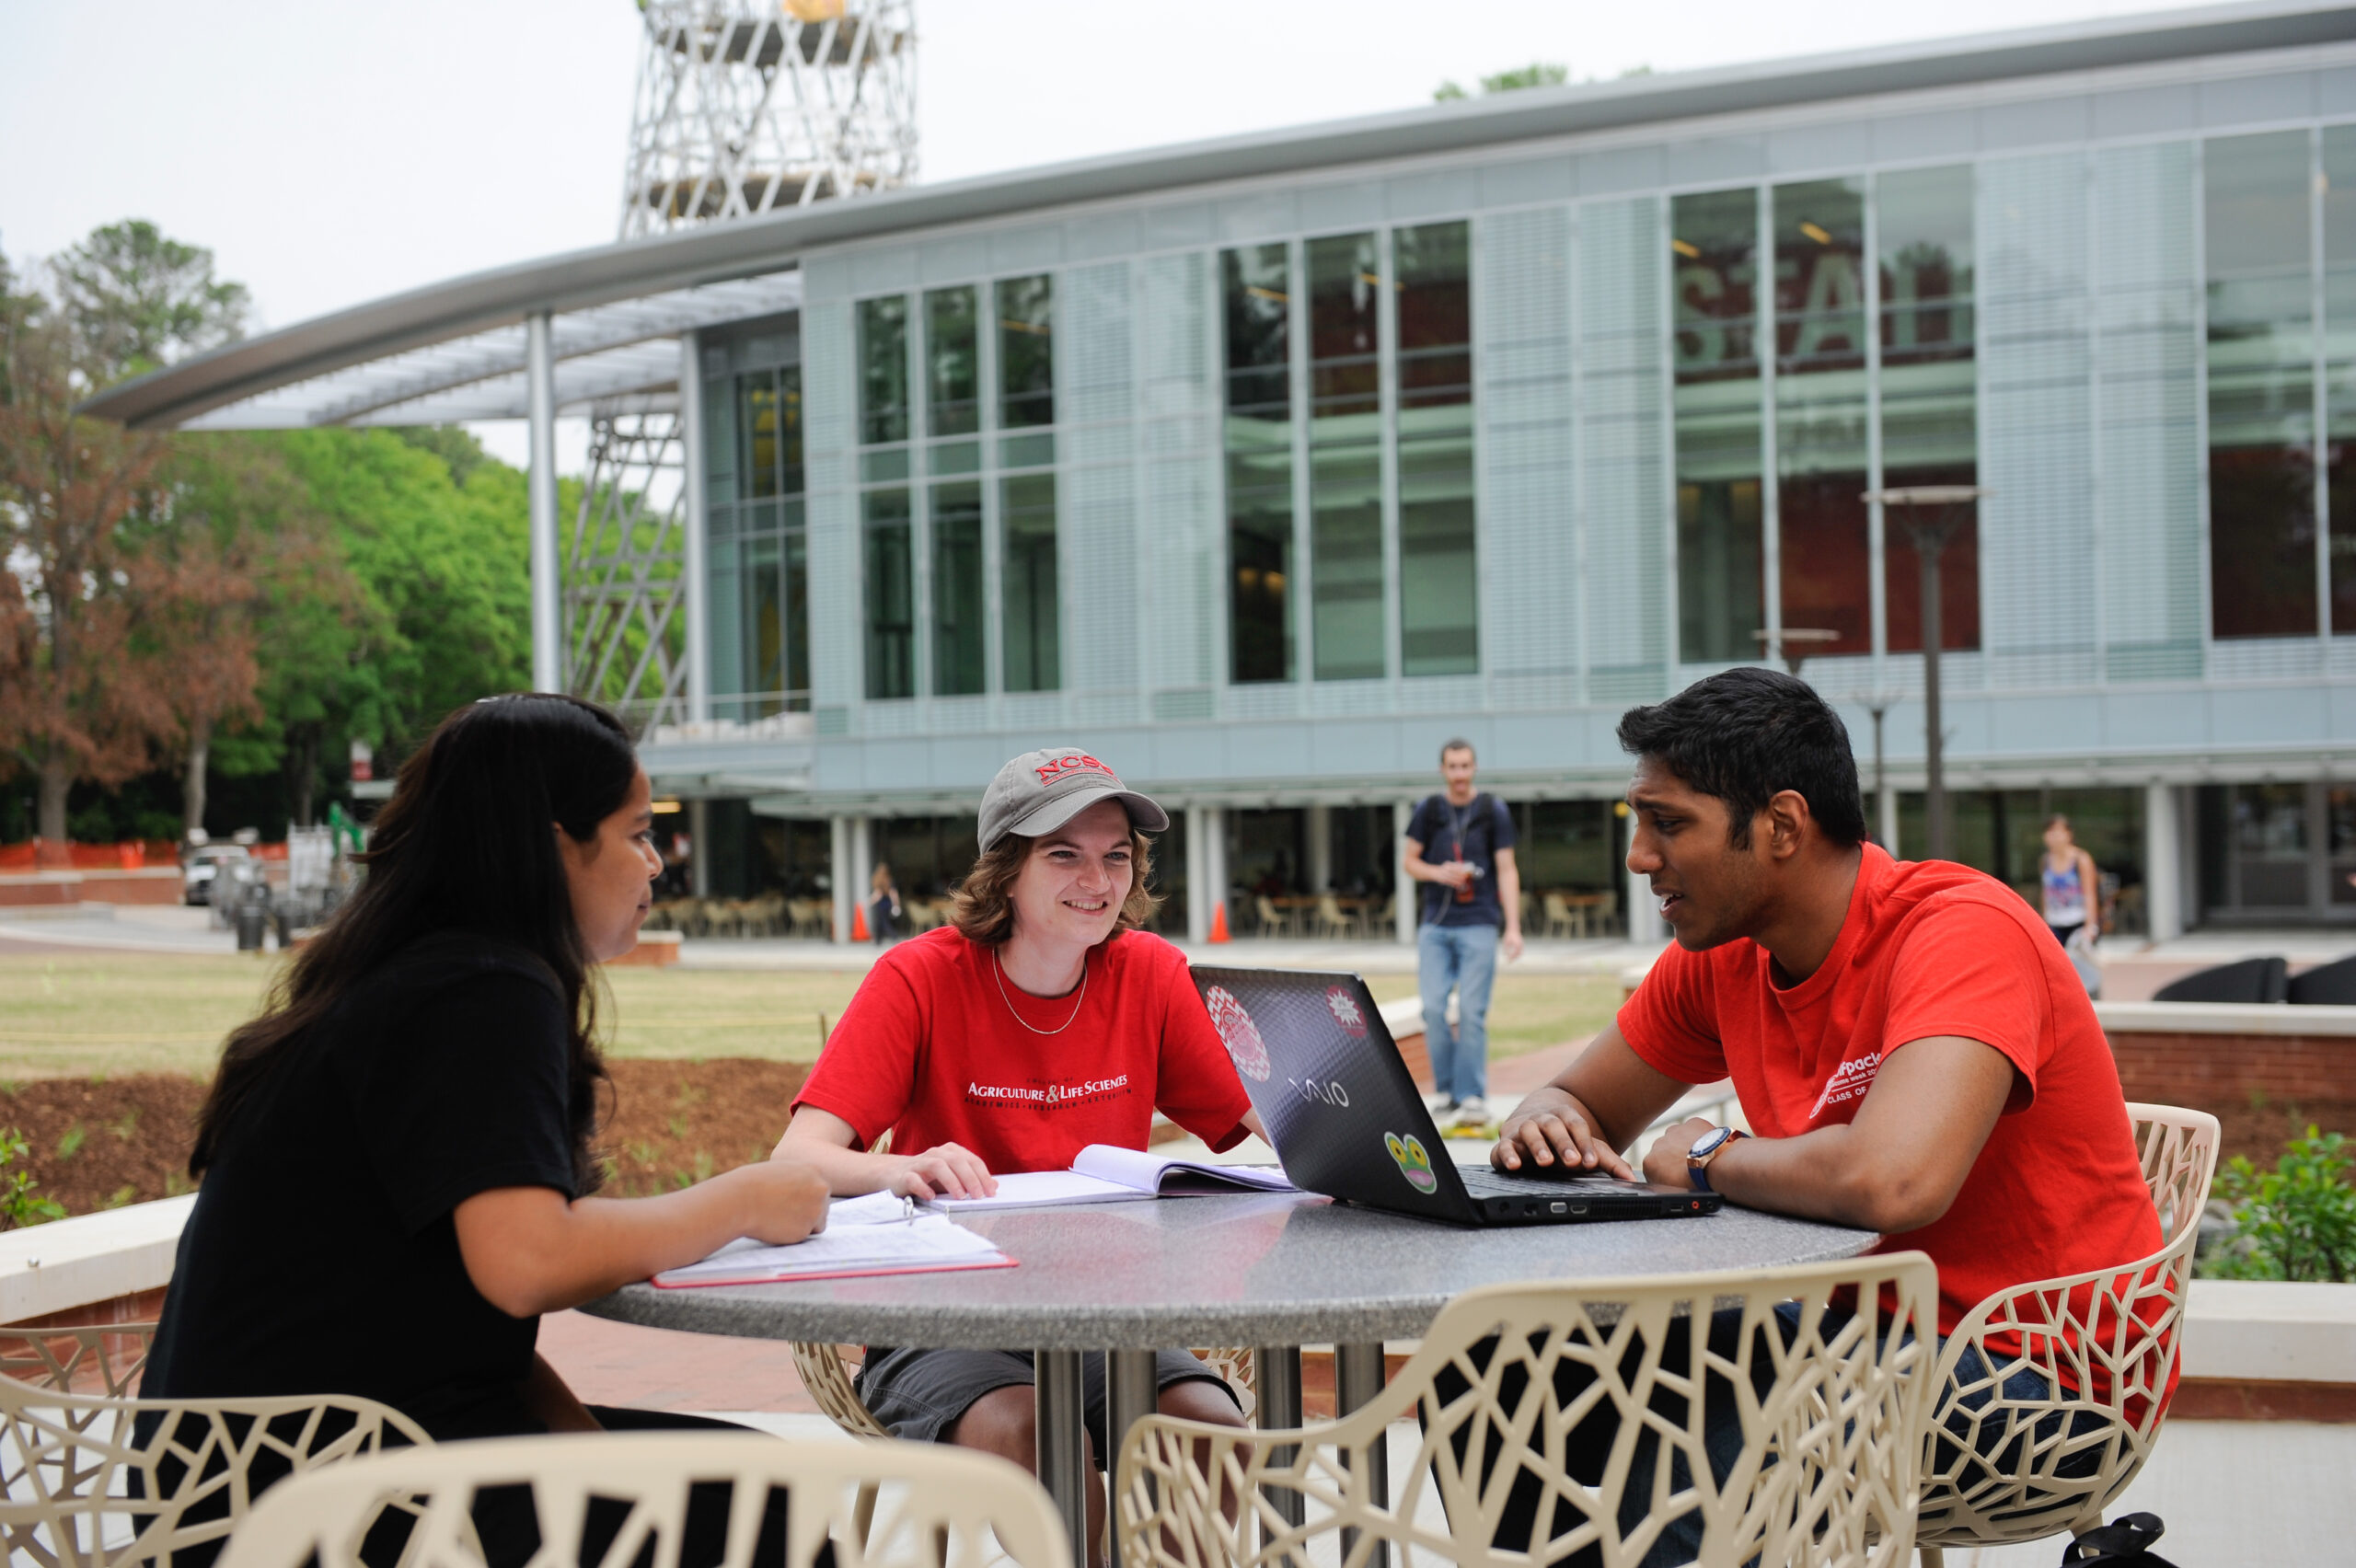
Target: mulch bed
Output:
[(101, 1143)]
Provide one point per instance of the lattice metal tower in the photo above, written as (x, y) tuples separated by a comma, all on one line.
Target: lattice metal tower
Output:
[(744, 107)]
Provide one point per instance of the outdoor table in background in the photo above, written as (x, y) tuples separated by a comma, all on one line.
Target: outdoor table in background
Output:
[(1274, 1271)]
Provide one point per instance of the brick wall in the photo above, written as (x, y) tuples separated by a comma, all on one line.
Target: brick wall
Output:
[(2263, 1089)]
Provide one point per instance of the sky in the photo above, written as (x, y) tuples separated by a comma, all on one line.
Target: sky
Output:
[(331, 152)]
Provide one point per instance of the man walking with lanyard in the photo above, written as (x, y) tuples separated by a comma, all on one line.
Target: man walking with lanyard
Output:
[(1472, 891)]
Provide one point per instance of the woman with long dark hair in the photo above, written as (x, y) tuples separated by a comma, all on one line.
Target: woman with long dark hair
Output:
[(396, 1155)]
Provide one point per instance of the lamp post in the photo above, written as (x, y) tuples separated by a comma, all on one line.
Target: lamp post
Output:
[(1932, 514), (1798, 642)]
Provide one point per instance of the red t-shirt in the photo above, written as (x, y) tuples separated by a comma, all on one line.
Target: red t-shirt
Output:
[(931, 1049), (1928, 949)]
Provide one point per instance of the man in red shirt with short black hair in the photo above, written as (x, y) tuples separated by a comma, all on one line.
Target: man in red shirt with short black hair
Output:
[(1913, 1053), (1910, 1046)]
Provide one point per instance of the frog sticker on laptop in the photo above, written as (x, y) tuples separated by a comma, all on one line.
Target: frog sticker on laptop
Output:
[(1414, 1163)]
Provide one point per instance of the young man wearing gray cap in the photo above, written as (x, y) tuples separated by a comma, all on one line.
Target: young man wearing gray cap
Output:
[(1039, 1021)]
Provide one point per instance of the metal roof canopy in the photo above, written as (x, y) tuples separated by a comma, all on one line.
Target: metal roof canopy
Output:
[(604, 353), (442, 352)]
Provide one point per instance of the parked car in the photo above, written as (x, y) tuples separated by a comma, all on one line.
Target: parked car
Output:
[(204, 867)]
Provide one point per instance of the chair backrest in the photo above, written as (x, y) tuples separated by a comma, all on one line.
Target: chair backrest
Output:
[(89, 1480), (1831, 1409), (2250, 980), (2104, 1345), (601, 1501), (1557, 906), (2326, 985), (101, 1359)]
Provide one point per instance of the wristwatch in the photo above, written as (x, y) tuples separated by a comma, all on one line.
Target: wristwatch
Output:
[(1707, 1148)]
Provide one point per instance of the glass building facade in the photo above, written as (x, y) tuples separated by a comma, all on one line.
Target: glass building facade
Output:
[(1267, 487)]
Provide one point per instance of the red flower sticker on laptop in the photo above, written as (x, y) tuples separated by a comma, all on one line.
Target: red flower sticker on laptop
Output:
[(1345, 1011), (1238, 1033)]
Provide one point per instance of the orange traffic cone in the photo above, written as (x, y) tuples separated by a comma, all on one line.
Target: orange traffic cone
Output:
[(858, 923), (1218, 923)]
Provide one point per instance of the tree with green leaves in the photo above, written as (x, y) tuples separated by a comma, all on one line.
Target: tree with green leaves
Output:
[(1537, 74), (136, 299), (77, 697)]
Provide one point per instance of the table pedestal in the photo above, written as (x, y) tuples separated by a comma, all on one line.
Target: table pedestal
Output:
[(1062, 1441), (1358, 1375)]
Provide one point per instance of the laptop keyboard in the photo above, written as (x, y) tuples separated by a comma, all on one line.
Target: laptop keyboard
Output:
[(1487, 1181)]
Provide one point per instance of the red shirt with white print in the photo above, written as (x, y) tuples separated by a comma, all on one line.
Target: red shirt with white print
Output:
[(1926, 949), (933, 1049)]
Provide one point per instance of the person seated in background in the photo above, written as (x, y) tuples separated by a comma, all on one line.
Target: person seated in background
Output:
[(1910, 1048), (396, 1155), (1039, 1021)]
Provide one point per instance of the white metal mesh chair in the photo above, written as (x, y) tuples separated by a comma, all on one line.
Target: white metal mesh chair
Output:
[(104, 1358), (623, 1500), (1831, 1423), (82, 1486), (1999, 1468)]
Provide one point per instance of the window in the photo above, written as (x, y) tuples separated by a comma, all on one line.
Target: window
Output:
[(1026, 352), (2340, 375), (1824, 553), (1345, 457), (1256, 286), (953, 363), (883, 370), (891, 595), (1027, 519), (1929, 389), (959, 638), (2261, 387), (1713, 245), (759, 559), (1438, 581)]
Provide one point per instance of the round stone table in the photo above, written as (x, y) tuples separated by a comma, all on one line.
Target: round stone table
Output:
[(1274, 1271)]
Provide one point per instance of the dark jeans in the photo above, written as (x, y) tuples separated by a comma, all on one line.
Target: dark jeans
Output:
[(1588, 1448)]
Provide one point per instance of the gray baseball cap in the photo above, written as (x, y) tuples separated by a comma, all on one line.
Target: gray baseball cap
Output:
[(1041, 790)]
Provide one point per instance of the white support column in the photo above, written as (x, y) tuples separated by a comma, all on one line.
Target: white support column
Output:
[(1321, 849), (2163, 863), (700, 847), (698, 565), (1214, 820), (1410, 891), (548, 617), (838, 875), (1886, 806), (1201, 822), (862, 862)]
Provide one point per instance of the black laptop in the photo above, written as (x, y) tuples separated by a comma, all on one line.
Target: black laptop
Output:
[(1347, 1122)]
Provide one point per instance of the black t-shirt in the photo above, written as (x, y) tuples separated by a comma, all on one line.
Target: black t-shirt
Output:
[(1473, 832), (321, 1256)]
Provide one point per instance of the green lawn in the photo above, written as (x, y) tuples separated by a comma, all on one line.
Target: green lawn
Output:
[(1528, 1012), (78, 1014)]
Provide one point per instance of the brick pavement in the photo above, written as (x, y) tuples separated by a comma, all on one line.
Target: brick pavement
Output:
[(621, 1364)]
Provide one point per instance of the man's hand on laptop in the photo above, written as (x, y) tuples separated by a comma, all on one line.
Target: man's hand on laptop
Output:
[(1550, 1131)]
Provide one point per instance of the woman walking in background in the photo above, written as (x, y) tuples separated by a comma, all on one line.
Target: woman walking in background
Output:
[(2072, 892)]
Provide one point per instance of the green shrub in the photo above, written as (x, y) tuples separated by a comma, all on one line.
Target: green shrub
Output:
[(2294, 1222), (19, 1208)]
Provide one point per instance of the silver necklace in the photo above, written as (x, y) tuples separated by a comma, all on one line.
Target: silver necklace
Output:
[(997, 968)]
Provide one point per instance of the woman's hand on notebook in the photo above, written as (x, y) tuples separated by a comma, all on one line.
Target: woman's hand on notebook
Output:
[(946, 1171)]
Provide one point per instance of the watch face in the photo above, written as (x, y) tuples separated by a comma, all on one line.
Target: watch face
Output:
[(1709, 1141)]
